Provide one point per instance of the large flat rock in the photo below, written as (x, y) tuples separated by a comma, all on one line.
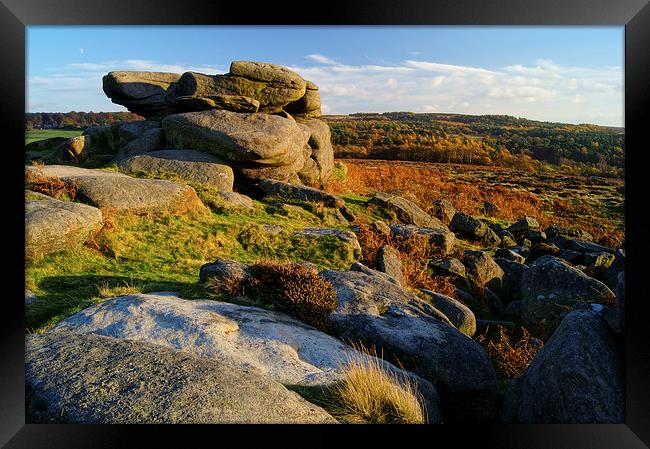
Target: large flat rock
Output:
[(189, 165), (117, 191), (141, 92), (257, 145), (94, 379), (249, 338), (52, 225)]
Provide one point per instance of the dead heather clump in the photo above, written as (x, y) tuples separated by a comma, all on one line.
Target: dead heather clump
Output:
[(291, 287), (511, 359), (99, 240), (50, 186)]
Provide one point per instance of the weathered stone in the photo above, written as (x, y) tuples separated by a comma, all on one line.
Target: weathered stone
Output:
[(101, 380), (513, 272), (189, 165), (29, 297), (236, 200), (552, 231), (52, 225), (441, 239), (458, 313), (468, 226), (581, 246), (380, 227), (523, 225), (389, 262), (116, 191), (233, 103), (45, 144), (320, 144), (507, 239), (513, 310), (140, 92), (491, 239), (361, 268), (610, 277), (484, 270), (379, 313), (576, 378), (130, 131), (550, 285), (306, 106), (601, 260), (75, 149), (150, 140), (449, 267), (348, 238), (507, 254), (490, 208), (406, 211), (443, 210), (291, 192), (229, 271), (257, 145)]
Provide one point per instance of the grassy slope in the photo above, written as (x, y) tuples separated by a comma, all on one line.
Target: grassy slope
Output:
[(155, 254), (42, 134)]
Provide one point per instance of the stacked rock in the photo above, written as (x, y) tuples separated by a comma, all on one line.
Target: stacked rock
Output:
[(260, 119)]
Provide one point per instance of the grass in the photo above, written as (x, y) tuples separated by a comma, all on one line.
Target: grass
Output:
[(42, 134), (166, 253), (369, 394)]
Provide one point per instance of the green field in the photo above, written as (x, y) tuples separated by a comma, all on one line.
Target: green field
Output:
[(42, 134)]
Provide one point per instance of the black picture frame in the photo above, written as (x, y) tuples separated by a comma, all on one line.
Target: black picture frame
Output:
[(15, 15)]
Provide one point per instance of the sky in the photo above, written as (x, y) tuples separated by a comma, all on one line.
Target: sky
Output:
[(558, 74)]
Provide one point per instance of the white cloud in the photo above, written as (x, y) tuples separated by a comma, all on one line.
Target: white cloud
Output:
[(542, 90), (82, 51), (320, 59)]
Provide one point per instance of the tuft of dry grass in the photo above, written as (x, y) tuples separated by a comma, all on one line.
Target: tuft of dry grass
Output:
[(511, 359), (99, 239), (104, 290), (369, 393)]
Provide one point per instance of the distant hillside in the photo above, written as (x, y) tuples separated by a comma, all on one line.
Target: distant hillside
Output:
[(75, 120), (480, 139)]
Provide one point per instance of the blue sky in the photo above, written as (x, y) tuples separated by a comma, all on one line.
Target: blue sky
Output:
[(565, 74)]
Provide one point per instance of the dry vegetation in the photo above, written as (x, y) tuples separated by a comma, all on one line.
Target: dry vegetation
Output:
[(371, 394), (414, 253), (510, 359), (50, 185), (554, 199)]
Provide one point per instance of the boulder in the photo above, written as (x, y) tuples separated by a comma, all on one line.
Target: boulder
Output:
[(441, 239), (256, 145), (507, 254), (321, 150), (285, 191), (512, 274), (92, 379), (468, 226), (236, 200), (273, 86), (351, 245), (550, 287), (458, 313), (443, 210), (116, 191), (29, 297), (491, 239), (189, 165), (581, 246), (406, 211), (140, 92), (229, 271), (576, 378), (507, 239), (523, 225), (601, 260), (151, 140), (552, 231), (233, 103), (130, 131), (307, 106), (388, 261), (379, 313), (483, 270), (45, 144), (52, 225), (610, 277), (75, 149), (449, 267)]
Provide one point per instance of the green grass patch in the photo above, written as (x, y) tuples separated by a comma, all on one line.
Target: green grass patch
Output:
[(42, 134), (165, 254)]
